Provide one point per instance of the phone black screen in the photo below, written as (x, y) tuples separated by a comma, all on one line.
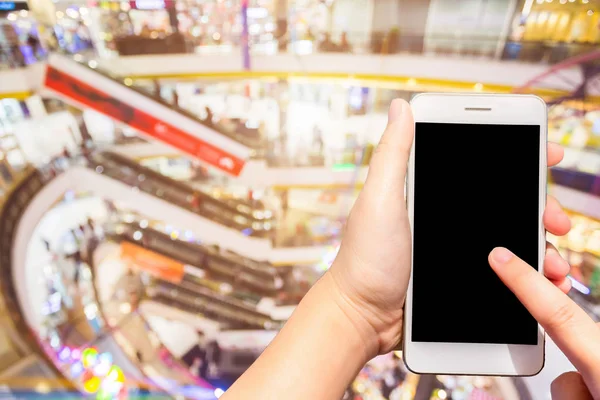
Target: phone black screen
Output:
[(475, 187)]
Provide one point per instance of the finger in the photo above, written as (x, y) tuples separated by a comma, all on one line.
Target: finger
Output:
[(556, 268), (555, 219), (555, 154), (387, 170), (570, 386), (568, 325), (564, 285)]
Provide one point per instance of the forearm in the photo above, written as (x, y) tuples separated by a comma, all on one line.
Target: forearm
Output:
[(315, 356)]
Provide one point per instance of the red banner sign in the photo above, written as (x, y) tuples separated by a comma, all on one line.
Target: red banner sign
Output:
[(155, 264), (106, 104)]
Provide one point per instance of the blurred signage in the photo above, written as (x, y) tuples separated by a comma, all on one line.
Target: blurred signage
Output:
[(84, 95), (155, 264), (13, 6), (151, 4)]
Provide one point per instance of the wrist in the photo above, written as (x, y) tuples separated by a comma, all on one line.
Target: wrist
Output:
[(380, 308), (359, 326)]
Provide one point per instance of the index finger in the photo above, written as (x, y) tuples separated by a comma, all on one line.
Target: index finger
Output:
[(570, 327), (555, 154)]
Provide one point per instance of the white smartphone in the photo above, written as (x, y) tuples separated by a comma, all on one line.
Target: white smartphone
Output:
[(476, 180)]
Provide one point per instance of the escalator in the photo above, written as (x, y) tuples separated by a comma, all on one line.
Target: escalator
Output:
[(235, 214), (204, 295), (258, 279), (84, 85), (206, 285), (227, 316), (210, 223)]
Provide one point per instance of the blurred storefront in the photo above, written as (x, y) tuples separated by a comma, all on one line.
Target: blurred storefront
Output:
[(581, 247), (575, 125), (473, 27), (554, 30), (19, 43)]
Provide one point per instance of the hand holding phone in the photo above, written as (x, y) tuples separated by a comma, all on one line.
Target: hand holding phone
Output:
[(573, 331), (373, 265)]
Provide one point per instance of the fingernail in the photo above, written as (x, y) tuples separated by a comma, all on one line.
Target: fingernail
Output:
[(395, 110), (501, 255)]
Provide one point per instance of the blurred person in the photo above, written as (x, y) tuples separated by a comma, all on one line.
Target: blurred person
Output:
[(86, 137), (145, 31), (139, 356), (196, 367), (46, 245), (66, 155), (34, 43), (51, 41), (195, 201), (110, 206), (82, 38), (318, 139), (284, 202), (327, 44), (86, 153), (156, 86), (78, 263), (209, 115), (16, 56), (344, 46), (90, 223), (76, 239), (52, 171), (355, 311)]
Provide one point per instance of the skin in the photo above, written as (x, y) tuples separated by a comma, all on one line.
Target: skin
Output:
[(354, 312)]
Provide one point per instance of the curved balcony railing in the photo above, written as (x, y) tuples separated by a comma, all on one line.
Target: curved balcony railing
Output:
[(14, 204), (359, 42)]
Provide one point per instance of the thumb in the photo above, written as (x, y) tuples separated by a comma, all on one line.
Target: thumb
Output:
[(387, 170), (570, 386)]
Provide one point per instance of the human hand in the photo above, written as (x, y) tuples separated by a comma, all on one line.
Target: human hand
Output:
[(569, 326), (372, 269)]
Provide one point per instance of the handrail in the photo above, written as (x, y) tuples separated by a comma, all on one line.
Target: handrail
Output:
[(233, 304), (231, 204), (196, 305), (209, 207), (261, 269), (234, 272)]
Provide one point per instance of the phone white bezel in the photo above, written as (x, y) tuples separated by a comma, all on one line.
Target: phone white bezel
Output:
[(465, 358)]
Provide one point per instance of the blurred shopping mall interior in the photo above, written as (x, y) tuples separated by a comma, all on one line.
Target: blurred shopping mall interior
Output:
[(176, 174)]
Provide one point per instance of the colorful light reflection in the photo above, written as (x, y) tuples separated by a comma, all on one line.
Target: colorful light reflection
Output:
[(96, 371)]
